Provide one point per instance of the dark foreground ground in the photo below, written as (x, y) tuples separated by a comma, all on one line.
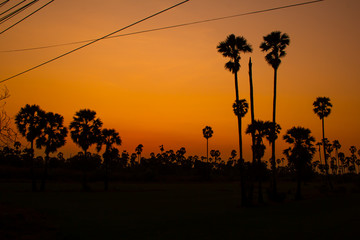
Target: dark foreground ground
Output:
[(174, 211)]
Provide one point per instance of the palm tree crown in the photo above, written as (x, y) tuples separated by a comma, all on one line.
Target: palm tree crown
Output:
[(240, 107), (207, 132), (30, 121), (275, 43), (232, 47), (322, 107), (85, 128), (53, 134)]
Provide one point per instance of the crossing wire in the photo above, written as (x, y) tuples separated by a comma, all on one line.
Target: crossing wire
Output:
[(94, 41), (17, 11), (166, 27), (26, 17), (13, 7)]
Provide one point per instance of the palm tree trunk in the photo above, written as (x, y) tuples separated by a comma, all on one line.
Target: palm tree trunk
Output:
[(325, 156), (32, 167), (252, 107), (43, 180), (273, 160), (241, 162), (84, 180), (252, 174), (106, 180), (207, 150)]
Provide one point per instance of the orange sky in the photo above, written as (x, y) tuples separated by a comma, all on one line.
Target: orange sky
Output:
[(164, 87)]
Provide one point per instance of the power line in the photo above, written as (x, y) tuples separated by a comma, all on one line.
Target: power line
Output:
[(3, 3), (13, 7), (94, 41), (17, 11), (26, 17), (167, 27)]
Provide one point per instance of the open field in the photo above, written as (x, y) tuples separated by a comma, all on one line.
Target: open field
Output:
[(173, 211)]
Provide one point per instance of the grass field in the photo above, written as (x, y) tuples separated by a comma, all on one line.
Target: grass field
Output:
[(173, 211)]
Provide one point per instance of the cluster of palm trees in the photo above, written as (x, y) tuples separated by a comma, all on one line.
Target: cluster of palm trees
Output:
[(47, 130), (274, 44)]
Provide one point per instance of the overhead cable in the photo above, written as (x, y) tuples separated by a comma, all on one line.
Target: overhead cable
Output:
[(13, 7), (94, 41), (167, 27), (26, 17)]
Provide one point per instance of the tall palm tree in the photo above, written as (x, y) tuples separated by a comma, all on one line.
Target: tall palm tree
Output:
[(259, 129), (52, 137), (336, 145), (231, 48), (207, 132), (30, 122), (109, 137), (322, 108), (240, 108), (301, 152), (275, 44), (85, 129)]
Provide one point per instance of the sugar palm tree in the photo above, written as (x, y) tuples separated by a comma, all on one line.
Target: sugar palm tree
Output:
[(240, 109), (109, 137), (30, 122), (207, 132), (231, 48), (52, 137), (336, 145), (274, 44), (301, 152), (259, 129), (322, 108), (85, 129)]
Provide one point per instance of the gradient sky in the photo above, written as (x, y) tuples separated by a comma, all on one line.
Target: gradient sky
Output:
[(164, 87)]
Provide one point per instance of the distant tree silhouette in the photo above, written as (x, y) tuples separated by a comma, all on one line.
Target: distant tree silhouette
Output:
[(109, 137), (275, 44), (138, 151), (319, 144), (336, 145), (301, 152), (52, 137), (207, 132), (240, 108), (85, 131), (259, 129), (322, 108), (30, 122)]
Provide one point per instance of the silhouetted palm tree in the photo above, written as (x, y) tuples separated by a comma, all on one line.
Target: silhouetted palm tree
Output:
[(240, 108), (252, 111), (138, 151), (85, 131), (231, 48), (275, 44), (259, 129), (52, 137), (336, 145), (322, 108), (30, 122), (207, 132), (109, 137), (301, 152)]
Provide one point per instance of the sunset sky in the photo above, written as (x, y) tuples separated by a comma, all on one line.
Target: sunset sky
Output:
[(164, 87)]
